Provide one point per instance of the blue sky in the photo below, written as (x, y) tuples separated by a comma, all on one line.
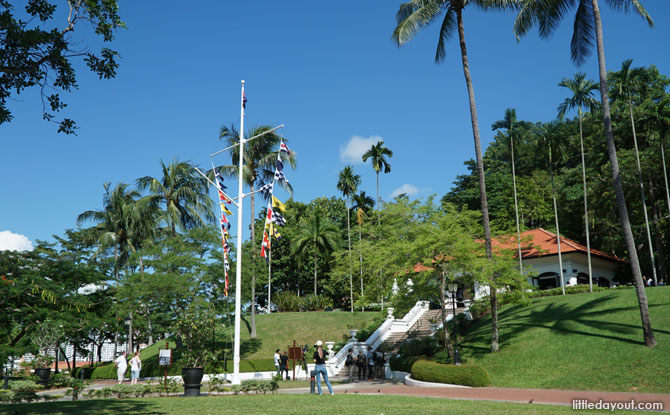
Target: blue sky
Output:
[(329, 72)]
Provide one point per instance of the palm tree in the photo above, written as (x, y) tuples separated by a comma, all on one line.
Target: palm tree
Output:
[(625, 82), (317, 233), (513, 132), (547, 15), (182, 192), (348, 183), (113, 227), (260, 159), (362, 204), (582, 96), (378, 153), (418, 14), (548, 139), (661, 119)]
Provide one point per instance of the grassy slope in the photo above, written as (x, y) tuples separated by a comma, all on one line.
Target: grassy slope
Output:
[(289, 405), (278, 330), (581, 341)]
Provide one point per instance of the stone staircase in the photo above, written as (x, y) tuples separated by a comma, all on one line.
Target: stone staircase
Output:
[(422, 328)]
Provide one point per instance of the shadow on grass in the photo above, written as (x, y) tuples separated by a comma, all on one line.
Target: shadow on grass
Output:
[(582, 320), (107, 406)]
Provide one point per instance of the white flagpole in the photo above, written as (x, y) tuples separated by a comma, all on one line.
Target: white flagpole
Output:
[(269, 273), (238, 265)]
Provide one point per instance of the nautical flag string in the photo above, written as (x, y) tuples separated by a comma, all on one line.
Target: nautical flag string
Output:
[(283, 148), (274, 216), (224, 225)]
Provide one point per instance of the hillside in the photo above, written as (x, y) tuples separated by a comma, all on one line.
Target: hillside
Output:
[(278, 330), (581, 341)]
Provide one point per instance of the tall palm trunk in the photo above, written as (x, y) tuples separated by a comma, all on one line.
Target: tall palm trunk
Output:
[(586, 204), (655, 219), (379, 222), (351, 278), (665, 171), (644, 201), (649, 338), (482, 180), (558, 232), (516, 205), (116, 313), (314, 267), (360, 259), (253, 271)]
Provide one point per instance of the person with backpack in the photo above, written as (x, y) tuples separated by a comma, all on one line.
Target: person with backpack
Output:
[(349, 364), (371, 364), (360, 363)]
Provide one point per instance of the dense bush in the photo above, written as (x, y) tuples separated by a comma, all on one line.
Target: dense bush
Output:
[(150, 368), (364, 334), (467, 375), (423, 346), (317, 302), (403, 363), (287, 301)]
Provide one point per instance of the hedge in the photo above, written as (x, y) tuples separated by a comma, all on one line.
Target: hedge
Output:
[(467, 375), (403, 363), (150, 368)]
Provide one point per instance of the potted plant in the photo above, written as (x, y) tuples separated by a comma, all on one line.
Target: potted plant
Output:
[(195, 329), (41, 364), (44, 340)]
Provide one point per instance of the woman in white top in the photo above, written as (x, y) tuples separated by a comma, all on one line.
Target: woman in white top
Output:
[(135, 367)]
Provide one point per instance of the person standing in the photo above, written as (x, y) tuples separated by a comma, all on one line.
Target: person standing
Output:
[(283, 365), (121, 366), (371, 363), (360, 363), (135, 367), (320, 367), (349, 364), (277, 359)]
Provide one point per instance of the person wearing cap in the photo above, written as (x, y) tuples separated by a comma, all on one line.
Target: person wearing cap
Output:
[(320, 368)]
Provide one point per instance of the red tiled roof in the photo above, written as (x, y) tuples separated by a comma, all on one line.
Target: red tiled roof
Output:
[(540, 242)]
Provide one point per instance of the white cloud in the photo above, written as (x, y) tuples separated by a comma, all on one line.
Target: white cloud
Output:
[(90, 289), (352, 152), (407, 189), (10, 241)]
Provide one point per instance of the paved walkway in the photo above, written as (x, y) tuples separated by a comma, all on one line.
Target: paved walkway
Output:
[(542, 396)]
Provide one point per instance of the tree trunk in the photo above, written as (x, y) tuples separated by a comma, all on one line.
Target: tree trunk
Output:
[(116, 313), (360, 260), (443, 304), (315, 269), (586, 204), (665, 171), (516, 203), (480, 171), (558, 231), (649, 338), (657, 235), (351, 278), (644, 201), (253, 271), (130, 333), (66, 359)]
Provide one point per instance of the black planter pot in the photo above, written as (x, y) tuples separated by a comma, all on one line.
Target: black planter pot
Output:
[(43, 374), (192, 377)]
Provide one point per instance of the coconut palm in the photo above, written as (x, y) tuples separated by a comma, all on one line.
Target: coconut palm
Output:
[(582, 96), (419, 14), (182, 193), (624, 84), (315, 232), (547, 15), (548, 139), (513, 133), (362, 203), (260, 159), (377, 154), (348, 183)]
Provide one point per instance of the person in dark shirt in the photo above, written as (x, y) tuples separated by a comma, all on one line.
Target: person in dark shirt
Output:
[(283, 365), (320, 367)]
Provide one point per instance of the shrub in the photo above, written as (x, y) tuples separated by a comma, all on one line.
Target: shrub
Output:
[(317, 302), (424, 346), (467, 375), (403, 363), (287, 301)]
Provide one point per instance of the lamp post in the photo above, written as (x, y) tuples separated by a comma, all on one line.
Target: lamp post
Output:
[(453, 287)]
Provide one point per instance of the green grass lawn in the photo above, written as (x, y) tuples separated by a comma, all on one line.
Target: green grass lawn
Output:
[(278, 330), (580, 341), (288, 404)]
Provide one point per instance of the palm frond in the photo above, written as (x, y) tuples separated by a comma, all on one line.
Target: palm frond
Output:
[(414, 16), (446, 33), (583, 33)]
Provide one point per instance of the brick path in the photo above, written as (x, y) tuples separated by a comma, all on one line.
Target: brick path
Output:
[(546, 396)]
